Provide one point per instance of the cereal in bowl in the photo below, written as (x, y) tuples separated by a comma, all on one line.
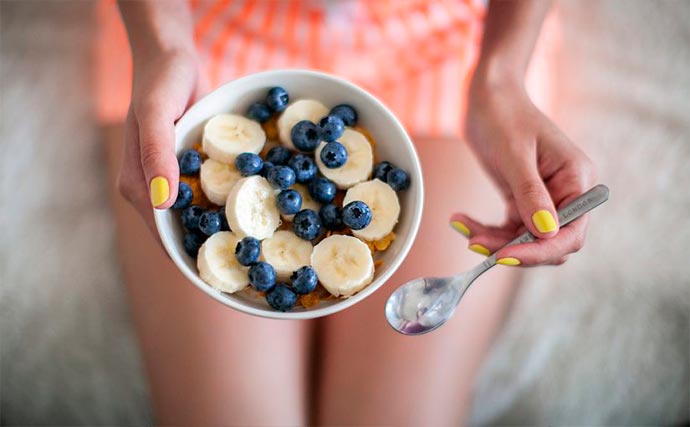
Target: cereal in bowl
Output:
[(287, 202)]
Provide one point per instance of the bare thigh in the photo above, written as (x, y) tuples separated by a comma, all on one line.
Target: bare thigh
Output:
[(369, 374), (206, 364)]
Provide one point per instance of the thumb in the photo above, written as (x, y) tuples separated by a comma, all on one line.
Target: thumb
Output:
[(532, 199), (157, 142)]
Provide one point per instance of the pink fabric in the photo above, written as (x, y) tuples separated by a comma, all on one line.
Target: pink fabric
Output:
[(416, 56)]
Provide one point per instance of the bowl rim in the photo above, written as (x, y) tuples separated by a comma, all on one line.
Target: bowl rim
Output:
[(193, 277)]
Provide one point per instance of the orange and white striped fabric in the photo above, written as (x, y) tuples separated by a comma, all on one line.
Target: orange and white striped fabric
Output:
[(414, 55)]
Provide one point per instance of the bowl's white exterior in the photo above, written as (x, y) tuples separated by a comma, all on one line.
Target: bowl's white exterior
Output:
[(392, 143)]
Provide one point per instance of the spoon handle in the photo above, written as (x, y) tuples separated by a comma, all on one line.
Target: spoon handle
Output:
[(583, 204), (573, 210), (570, 212)]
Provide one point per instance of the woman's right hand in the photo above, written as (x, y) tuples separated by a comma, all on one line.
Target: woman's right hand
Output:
[(536, 168), (164, 85)]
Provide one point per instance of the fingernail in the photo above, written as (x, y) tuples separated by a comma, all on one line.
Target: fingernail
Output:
[(508, 261), (160, 191), (544, 221), (460, 227), (479, 249)]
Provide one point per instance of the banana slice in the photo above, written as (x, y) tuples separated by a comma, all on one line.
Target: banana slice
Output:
[(307, 201), (286, 253), (343, 264), (227, 135), (360, 160), (217, 179), (217, 263), (302, 109), (251, 208), (384, 205)]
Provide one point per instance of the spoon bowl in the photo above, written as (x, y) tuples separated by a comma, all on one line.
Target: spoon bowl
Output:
[(422, 305)]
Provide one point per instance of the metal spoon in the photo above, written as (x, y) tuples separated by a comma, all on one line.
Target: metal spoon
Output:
[(424, 304)]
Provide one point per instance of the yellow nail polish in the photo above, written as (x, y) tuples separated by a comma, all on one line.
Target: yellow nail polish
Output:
[(160, 191), (479, 249), (508, 261), (460, 227), (544, 221)]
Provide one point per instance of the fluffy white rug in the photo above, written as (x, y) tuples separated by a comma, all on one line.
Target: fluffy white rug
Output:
[(604, 339), (69, 356)]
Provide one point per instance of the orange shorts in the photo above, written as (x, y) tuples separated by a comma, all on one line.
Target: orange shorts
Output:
[(414, 55)]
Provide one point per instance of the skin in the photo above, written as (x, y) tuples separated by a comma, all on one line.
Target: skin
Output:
[(164, 85), (533, 164)]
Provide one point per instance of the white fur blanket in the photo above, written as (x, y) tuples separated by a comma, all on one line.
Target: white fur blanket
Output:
[(69, 355), (604, 339)]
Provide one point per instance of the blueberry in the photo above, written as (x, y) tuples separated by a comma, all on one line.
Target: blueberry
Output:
[(381, 170), (249, 164), (331, 217), (333, 155), (224, 226), (304, 280), (262, 276), (306, 224), (331, 128), (259, 112), (356, 215), (281, 177), (278, 155), (304, 167), (305, 136), (266, 167), (210, 223), (281, 297), (322, 190), (191, 216), (192, 242), (289, 202), (190, 162), (398, 179), (346, 113), (277, 99), (184, 196), (247, 251)]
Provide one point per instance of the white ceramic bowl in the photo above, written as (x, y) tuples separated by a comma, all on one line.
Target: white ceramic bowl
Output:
[(392, 144)]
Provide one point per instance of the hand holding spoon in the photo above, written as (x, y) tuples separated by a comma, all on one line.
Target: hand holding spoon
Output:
[(424, 304)]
